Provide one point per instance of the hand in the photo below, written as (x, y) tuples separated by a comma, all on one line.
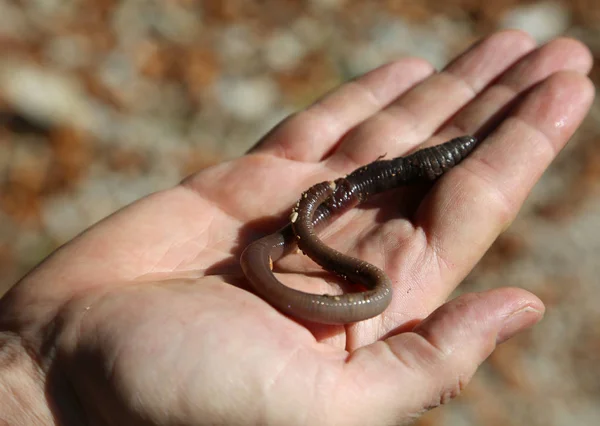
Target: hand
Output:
[(146, 318)]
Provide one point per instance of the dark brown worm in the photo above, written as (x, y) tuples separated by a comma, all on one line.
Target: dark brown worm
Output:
[(316, 207)]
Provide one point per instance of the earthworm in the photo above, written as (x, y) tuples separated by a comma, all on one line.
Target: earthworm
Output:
[(316, 207)]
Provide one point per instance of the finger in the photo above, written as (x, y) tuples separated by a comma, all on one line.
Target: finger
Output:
[(487, 109), (310, 134), (422, 110), (477, 200), (415, 371)]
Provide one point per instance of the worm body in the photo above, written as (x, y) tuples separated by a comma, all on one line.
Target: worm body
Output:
[(320, 204)]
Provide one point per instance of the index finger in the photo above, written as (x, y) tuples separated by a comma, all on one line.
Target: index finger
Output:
[(477, 200)]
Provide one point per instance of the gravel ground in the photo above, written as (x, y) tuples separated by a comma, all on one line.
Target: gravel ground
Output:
[(103, 102)]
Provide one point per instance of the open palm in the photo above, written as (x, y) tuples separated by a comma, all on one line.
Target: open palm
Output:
[(146, 318)]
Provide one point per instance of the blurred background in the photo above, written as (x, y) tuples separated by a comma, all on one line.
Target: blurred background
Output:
[(103, 102)]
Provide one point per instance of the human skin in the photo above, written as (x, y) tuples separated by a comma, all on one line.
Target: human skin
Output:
[(146, 318)]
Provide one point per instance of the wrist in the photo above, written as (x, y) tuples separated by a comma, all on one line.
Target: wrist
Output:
[(23, 398)]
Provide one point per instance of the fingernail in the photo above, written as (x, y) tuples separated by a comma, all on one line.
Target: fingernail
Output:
[(518, 321)]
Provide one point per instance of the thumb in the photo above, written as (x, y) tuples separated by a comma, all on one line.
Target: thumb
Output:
[(412, 372)]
